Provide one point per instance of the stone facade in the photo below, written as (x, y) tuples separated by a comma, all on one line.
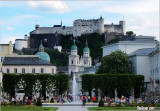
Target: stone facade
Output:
[(81, 26)]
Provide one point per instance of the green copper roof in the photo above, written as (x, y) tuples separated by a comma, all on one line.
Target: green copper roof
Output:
[(74, 47), (86, 49), (41, 45), (43, 56)]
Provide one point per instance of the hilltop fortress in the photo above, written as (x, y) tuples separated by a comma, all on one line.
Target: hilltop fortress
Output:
[(81, 26)]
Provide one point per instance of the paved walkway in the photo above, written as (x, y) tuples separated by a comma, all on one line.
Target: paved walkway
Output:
[(71, 108)]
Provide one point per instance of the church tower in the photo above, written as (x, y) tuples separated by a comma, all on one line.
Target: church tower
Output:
[(74, 62), (87, 60)]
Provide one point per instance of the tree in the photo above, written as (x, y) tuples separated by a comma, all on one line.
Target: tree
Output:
[(95, 42), (129, 33), (56, 57), (61, 83), (116, 63)]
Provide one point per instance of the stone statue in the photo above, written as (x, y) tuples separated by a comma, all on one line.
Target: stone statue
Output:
[(115, 92), (153, 83)]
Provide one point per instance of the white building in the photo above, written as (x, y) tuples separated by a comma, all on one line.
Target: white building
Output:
[(143, 53), (81, 26), (134, 43), (20, 44), (27, 64)]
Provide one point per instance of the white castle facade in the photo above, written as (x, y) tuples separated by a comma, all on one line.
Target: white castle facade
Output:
[(81, 26)]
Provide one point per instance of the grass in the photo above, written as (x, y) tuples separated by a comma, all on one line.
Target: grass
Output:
[(112, 108), (28, 108)]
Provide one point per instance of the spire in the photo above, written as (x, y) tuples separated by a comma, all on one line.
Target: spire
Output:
[(74, 47), (41, 48), (74, 42), (86, 43), (61, 23)]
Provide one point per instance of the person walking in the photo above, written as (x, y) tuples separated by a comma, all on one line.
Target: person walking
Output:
[(83, 101), (62, 100)]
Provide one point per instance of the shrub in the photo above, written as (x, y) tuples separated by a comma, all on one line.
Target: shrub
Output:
[(101, 103), (52, 101), (39, 103)]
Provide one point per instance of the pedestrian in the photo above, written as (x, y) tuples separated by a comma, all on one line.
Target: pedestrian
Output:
[(89, 98), (21, 99), (62, 100), (83, 101), (94, 99), (13, 100)]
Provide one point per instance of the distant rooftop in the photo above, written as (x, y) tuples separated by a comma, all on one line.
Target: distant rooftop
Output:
[(24, 60), (143, 52)]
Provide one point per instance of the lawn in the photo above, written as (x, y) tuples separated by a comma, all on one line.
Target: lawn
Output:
[(112, 108), (28, 108)]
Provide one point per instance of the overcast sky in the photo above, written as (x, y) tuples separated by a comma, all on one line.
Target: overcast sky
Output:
[(18, 18)]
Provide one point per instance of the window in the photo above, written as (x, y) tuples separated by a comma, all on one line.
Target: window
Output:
[(8, 70), (1, 59), (15, 70), (42, 70), (77, 62), (23, 70), (52, 70), (33, 70), (72, 61)]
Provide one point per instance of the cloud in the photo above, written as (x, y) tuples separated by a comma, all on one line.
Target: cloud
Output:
[(10, 28), (10, 37), (144, 25), (50, 6), (147, 6)]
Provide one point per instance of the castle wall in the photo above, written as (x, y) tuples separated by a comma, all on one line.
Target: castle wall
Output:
[(81, 26)]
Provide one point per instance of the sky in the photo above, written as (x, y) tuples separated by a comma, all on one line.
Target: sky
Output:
[(18, 18)]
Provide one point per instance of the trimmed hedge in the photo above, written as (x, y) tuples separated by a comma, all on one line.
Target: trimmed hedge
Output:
[(109, 82), (44, 82)]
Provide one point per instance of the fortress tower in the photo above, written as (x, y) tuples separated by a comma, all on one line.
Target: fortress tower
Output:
[(101, 25)]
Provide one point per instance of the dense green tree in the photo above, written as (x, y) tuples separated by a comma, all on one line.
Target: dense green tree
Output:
[(56, 57), (42, 82), (10, 83), (95, 42), (45, 82), (87, 83), (116, 63), (27, 81), (109, 82), (61, 83), (129, 33)]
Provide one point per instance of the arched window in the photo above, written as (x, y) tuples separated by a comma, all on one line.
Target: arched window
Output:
[(72, 61)]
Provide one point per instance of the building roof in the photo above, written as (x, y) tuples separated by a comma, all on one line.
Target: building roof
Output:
[(24, 61), (86, 49), (142, 52), (74, 47), (43, 55)]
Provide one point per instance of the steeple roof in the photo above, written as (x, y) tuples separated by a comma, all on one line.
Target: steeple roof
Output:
[(74, 47), (86, 49)]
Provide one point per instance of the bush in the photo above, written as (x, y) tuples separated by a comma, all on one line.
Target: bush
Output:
[(39, 103), (101, 103), (52, 101)]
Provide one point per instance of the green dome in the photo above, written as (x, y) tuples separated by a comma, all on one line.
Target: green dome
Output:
[(86, 49), (43, 56), (74, 47)]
